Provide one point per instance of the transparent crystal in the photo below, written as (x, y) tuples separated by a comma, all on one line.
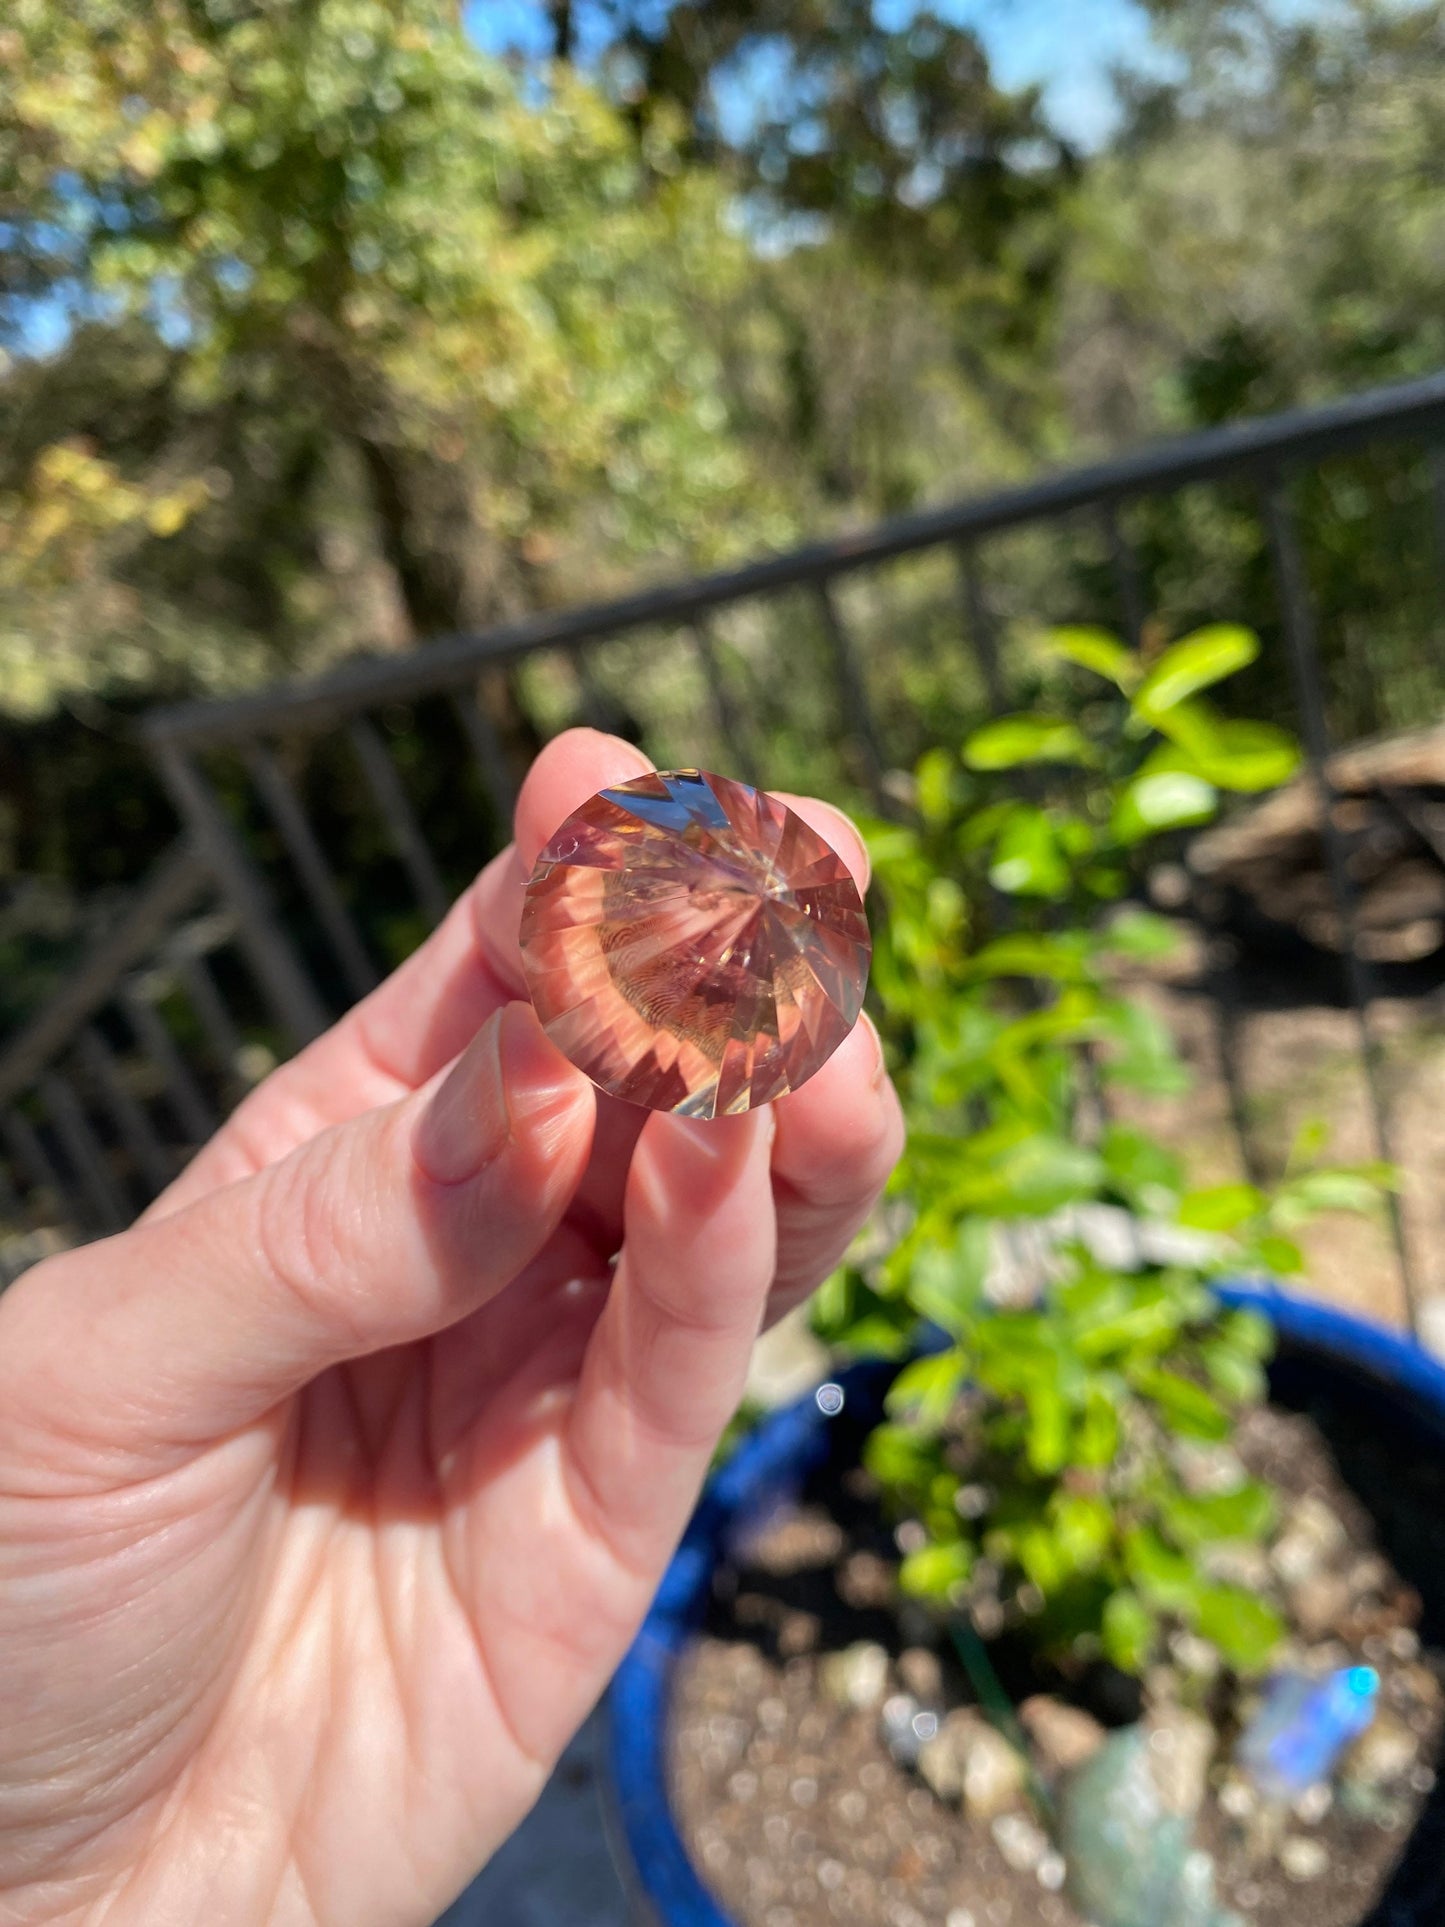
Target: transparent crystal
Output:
[(692, 945)]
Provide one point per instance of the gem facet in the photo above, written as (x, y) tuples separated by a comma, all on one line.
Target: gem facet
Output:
[(692, 945)]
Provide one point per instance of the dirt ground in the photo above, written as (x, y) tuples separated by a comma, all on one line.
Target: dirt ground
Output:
[(1298, 1059)]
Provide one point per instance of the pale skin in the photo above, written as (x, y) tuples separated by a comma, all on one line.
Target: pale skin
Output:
[(332, 1491)]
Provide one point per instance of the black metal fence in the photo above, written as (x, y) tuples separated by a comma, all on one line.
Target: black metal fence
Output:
[(330, 822)]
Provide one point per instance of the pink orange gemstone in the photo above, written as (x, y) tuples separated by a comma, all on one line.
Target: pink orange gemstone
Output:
[(692, 945)]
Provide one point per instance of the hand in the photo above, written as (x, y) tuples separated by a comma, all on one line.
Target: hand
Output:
[(333, 1490)]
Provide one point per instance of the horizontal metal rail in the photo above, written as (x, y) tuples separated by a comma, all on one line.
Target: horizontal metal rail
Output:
[(1407, 409)]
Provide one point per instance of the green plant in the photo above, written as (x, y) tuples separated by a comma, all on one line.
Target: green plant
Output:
[(1046, 1455)]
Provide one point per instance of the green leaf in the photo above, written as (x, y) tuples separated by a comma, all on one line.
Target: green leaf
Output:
[(1024, 954), (1232, 1372), (1248, 1332), (1147, 1321), (898, 1458), (1140, 934), (1163, 1576), (1159, 800), (945, 1282), (1220, 1207), (1098, 650), (933, 1572), (888, 844), (924, 1391), (1084, 1528), (1042, 1557), (1096, 1440), (933, 786), (1195, 662), (1139, 1164), (1014, 740), (1246, 1513), (1131, 1631), (1026, 860), (1047, 1437), (1187, 1406), (1248, 756), (1331, 1190), (1281, 1255), (1148, 1060), (1245, 1628), (1039, 1175), (849, 1315)]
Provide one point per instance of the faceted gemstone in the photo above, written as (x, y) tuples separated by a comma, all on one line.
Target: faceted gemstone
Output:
[(693, 945)]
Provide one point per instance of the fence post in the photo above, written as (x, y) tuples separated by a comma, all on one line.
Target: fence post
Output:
[(1302, 643), (853, 694), (279, 970)]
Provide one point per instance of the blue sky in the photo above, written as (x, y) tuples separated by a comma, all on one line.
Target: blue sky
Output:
[(1067, 45)]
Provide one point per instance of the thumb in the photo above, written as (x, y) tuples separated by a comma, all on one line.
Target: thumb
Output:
[(382, 1230)]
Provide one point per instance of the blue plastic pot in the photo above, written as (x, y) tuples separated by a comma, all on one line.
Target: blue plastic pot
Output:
[(1387, 1397)]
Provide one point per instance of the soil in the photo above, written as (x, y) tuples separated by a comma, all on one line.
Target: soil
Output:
[(798, 1814)]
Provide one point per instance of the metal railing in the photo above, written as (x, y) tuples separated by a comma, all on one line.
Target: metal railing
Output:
[(321, 903)]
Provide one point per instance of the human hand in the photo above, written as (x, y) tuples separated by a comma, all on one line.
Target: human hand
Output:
[(332, 1491)]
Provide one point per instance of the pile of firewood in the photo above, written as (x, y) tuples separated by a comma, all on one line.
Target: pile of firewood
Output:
[(1267, 870)]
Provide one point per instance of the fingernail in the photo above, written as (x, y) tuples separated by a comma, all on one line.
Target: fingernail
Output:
[(879, 1072), (466, 1123), (720, 1146), (544, 1091)]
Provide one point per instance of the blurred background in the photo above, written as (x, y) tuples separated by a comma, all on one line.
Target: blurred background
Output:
[(333, 328)]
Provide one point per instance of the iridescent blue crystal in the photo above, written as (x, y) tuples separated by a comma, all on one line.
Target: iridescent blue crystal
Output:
[(1303, 1727)]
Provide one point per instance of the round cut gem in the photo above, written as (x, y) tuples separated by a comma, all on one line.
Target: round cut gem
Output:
[(693, 945)]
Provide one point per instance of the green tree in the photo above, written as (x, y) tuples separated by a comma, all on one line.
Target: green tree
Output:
[(338, 212)]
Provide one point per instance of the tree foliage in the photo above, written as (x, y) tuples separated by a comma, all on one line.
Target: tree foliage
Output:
[(324, 331)]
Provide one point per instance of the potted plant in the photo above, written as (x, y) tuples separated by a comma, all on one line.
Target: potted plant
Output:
[(1068, 1525)]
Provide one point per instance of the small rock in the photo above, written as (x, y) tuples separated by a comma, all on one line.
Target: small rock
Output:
[(960, 1917), (1383, 1754), (1022, 1844), (1301, 1858), (1369, 1576), (1207, 1469), (969, 1761), (1311, 1539), (865, 1580), (857, 1677), (1063, 1736), (1404, 1643), (798, 1633), (939, 1767), (920, 1673), (1430, 1323), (1195, 1656), (1181, 1745), (1319, 1602), (994, 1776), (1417, 1684), (1314, 1803), (1238, 1798), (1051, 1872), (1240, 1564)]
